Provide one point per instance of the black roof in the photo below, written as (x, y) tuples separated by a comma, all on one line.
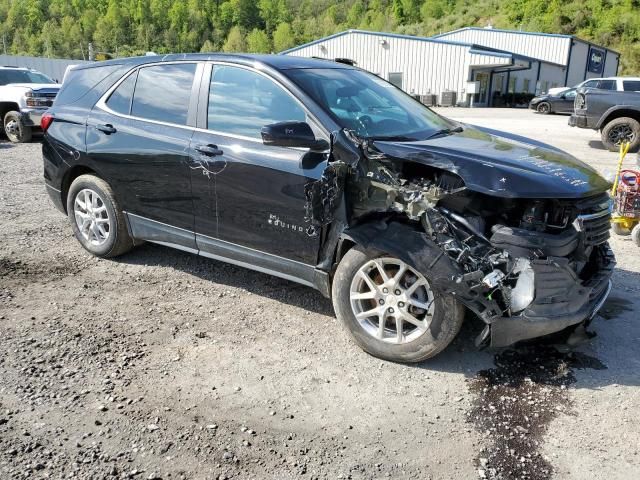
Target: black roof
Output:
[(279, 62)]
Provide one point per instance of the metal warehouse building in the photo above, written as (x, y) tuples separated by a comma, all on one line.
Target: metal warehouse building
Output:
[(475, 66)]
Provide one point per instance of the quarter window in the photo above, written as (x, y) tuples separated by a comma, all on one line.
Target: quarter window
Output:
[(163, 91), (241, 102), (120, 100)]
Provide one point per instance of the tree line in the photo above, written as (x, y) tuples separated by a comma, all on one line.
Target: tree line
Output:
[(64, 28)]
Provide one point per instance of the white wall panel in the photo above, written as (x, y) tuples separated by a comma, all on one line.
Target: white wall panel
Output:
[(549, 48)]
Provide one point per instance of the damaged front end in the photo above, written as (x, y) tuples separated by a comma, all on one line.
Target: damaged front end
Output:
[(527, 266)]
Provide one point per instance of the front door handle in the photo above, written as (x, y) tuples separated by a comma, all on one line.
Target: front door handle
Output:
[(209, 150), (108, 128)]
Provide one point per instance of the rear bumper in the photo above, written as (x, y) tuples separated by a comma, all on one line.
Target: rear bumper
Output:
[(56, 197), (562, 300), (579, 121)]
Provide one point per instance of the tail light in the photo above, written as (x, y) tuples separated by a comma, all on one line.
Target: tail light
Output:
[(45, 121)]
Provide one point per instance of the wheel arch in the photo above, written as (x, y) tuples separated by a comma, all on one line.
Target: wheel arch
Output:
[(6, 107), (73, 173), (618, 112)]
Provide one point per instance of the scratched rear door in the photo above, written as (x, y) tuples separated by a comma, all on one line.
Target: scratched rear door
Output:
[(247, 194)]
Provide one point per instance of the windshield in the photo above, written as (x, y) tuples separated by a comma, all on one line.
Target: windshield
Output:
[(365, 103), (8, 76)]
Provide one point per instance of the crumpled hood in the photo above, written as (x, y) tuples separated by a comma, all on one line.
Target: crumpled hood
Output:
[(503, 165)]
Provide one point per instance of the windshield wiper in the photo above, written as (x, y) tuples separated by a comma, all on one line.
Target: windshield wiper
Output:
[(445, 131)]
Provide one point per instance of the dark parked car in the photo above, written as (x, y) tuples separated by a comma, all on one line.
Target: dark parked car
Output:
[(559, 103), (326, 175), (615, 114)]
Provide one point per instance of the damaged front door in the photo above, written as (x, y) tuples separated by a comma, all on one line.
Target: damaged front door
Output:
[(247, 194)]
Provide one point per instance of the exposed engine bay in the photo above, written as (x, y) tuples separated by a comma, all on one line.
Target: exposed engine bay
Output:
[(526, 266)]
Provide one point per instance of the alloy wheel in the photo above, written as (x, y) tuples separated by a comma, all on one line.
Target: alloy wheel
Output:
[(544, 108), (13, 130), (92, 217), (622, 133), (391, 301)]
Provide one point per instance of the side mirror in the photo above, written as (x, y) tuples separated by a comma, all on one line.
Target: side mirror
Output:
[(292, 134)]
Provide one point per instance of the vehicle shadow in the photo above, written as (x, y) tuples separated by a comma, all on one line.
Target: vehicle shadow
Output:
[(228, 275), (597, 144), (613, 353)]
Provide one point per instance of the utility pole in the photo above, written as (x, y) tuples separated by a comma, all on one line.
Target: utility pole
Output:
[(4, 43), (92, 56)]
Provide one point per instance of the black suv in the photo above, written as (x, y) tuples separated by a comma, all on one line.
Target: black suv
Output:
[(326, 175)]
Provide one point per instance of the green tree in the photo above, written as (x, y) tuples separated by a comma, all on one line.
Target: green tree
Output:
[(235, 41), (258, 41), (283, 37)]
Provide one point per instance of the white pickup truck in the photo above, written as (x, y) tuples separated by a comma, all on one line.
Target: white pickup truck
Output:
[(25, 95)]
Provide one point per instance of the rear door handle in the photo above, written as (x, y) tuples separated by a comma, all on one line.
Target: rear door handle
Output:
[(209, 150), (108, 128)]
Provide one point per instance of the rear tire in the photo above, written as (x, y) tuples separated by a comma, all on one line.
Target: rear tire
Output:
[(623, 129), (442, 318), (543, 108), (96, 218), (14, 128)]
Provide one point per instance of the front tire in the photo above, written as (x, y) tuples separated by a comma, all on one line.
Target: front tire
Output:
[(389, 308), (14, 128), (619, 130), (96, 218)]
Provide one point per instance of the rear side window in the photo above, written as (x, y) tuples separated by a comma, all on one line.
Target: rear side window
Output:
[(241, 102), (162, 93), (607, 85), (120, 100), (631, 85)]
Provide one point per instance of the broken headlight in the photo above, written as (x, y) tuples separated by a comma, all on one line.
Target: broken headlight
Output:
[(524, 292)]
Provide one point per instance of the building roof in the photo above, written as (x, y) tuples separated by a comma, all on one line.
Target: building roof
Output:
[(474, 47), (379, 34), (522, 32)]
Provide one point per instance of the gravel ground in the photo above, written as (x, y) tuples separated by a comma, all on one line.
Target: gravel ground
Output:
[(164, 365)]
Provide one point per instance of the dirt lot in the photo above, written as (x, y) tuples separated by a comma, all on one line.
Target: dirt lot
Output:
[(164, 365)]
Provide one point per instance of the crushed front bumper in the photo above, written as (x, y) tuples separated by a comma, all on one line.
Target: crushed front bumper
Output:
[(562, 300)]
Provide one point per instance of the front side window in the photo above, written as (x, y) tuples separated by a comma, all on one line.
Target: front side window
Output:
[(371, 107), (591, 84), (242, 101), (631, 85), (162, 92), (120, 100)]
